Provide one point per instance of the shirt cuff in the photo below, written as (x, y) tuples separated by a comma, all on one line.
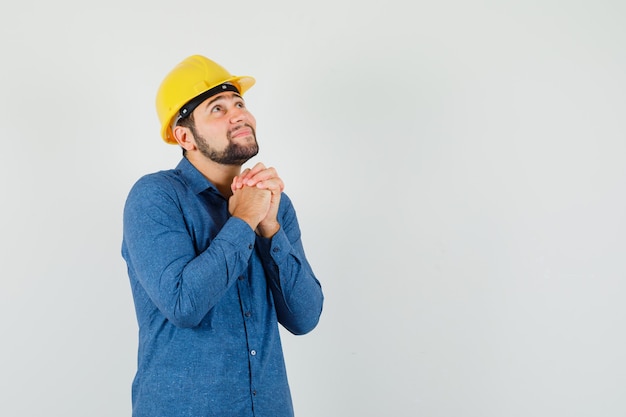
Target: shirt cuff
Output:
[(278, 246), (238, 234)]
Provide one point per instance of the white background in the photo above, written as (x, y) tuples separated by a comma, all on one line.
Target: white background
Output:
[(457, 168)]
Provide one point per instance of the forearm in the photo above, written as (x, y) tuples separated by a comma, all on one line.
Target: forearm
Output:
[(297, 293), (183, 285)]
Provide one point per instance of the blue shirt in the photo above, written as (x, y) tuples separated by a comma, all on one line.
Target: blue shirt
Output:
[(209, 294)]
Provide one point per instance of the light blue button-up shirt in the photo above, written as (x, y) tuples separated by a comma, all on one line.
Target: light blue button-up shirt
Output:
[(209, 294)]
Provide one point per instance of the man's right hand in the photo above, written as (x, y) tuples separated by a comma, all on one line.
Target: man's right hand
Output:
[(250, 204)]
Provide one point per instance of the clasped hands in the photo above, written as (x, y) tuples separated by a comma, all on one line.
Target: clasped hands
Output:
[(256, 197)]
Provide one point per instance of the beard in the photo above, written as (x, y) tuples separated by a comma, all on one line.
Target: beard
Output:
[(233, 154)]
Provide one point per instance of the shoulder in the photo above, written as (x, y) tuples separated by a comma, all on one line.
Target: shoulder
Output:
[(156, 188), (156, 181)]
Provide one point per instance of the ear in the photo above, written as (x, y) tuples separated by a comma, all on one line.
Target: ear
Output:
[(184, 138)]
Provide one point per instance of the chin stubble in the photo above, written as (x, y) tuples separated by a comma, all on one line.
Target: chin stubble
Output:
[(234, 154)]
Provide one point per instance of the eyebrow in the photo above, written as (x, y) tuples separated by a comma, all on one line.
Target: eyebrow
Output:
[(221, 97)]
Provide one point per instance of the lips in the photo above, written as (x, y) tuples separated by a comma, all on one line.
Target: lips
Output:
[(240, 131)]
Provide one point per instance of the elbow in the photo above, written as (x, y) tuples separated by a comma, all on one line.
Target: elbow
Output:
[(186, 306), (184, 321), (308, 317), (302, 329), (185, 315), (302, 325)]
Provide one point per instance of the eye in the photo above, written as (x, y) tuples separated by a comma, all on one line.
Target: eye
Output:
[(241, 105), (216, 109)]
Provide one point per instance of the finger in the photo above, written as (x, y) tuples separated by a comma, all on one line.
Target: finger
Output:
[(236, 183), (241, 178), (275, 185), (258, 167), (274, 180), (263, 175)]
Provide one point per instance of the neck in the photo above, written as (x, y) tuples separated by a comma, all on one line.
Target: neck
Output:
[(220, 175)]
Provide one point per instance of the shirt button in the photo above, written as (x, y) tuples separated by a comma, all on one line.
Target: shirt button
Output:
[(254, 393), (241, 278), (250, 246), (276, 249), (248, 314), (253, 352)]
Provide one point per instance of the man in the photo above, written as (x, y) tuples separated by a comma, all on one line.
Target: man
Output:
[(215, 260)]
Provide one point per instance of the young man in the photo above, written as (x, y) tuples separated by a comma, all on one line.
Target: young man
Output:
[(215, 260)]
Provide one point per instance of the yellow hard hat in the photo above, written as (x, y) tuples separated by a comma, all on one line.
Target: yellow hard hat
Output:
[(195, 77)]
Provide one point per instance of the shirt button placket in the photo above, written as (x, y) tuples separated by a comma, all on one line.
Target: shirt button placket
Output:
[(253, 391)]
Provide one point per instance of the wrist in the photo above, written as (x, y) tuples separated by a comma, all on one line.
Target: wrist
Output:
[(268, 230), (248, 220)]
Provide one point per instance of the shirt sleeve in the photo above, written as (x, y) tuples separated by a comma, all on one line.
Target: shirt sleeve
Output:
[(183, 284), (297, 293)]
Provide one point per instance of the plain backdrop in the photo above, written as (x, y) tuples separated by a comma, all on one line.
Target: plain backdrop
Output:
[(457, 168)]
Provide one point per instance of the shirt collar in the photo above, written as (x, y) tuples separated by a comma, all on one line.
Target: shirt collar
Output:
[(194, 178)]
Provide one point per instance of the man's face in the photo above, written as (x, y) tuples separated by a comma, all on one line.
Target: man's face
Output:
[(225, 129)]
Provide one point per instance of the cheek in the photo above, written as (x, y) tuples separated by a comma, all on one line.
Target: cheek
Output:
[(251, 120)]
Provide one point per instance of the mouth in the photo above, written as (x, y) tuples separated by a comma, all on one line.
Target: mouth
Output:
[(240, 131)]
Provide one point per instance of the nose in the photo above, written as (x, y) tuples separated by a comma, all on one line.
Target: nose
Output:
[(237, 115)]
